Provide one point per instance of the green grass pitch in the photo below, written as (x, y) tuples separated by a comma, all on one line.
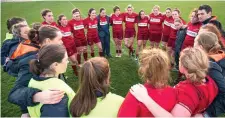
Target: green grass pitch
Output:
[(123, 70)]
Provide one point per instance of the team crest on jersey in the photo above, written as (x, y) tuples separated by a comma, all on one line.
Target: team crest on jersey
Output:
[(78, 27), (104, 23), (130, 19), (191, 33), (117, 22), (167, 23), (65, 34), (93, 26), (155, 20), (142, 24), (173, 26)]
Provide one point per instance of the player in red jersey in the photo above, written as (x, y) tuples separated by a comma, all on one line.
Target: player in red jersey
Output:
[(130, 33), (166, 27), (116, 21), (155, 30), (48, 17), (156, 79), (194, 94), (142, 35), (91, 23), (173, 34), (192, 29), (77, 26), (68, 41)]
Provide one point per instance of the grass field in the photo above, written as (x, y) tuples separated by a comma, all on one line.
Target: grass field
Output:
[(123, 70)]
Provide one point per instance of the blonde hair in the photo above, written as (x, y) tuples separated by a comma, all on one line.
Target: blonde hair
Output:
[(209, 41), (195, 10), (196, 62), (154, 67), (212, 28), (16, 29), (156, 7), (129, 6)]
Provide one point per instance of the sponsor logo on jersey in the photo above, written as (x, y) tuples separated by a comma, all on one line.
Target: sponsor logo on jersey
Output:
[(173, 26), (78, 27), (156, 20), (167, 23), (93, 26), (117, 22), (104, 23), (130, 19), (65, 34), (142, 24), (191, 33)]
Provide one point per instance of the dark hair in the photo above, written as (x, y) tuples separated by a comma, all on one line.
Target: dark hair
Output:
[(45, 31), (115, 8), (44, 12), (92, 81), (177, 10), (47, 55), (207, 8), (12, 21), (101, 9), (36, 25), (75, 10), (90, 10), (139, 15), (60, 18), (169, 9)]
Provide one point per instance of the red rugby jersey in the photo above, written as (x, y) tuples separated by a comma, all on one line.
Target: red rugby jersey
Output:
[(66, 32), (67, 37), (92, 27), (52, 24), (129, 20), (77, 28), (142, 24), (192, 32), (166, 25), (173, 30), (196, 97), (131, 107), (156, 23), (117, 22)]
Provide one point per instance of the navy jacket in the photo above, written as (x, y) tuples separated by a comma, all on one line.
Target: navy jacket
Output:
[(221, 63), (8, 47), (21, 94), (178, 44), (104, 28)]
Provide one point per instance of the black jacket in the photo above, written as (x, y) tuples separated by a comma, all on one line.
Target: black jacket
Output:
[(217, 107), (215, 22), (178, 44)]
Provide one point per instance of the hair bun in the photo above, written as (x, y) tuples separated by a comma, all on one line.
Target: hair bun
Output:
[(33, 35)]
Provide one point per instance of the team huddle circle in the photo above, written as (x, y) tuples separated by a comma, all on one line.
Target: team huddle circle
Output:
[(38, 56)]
